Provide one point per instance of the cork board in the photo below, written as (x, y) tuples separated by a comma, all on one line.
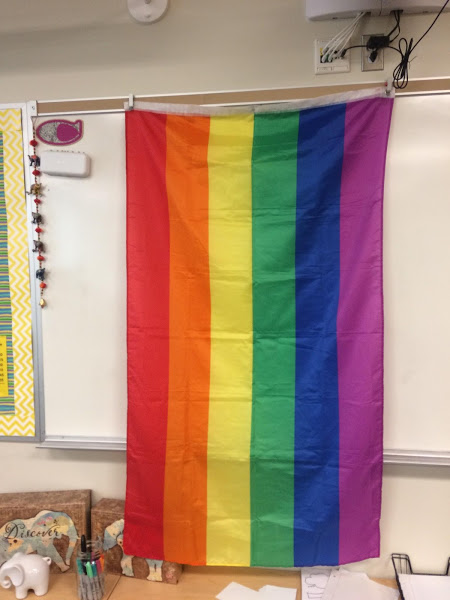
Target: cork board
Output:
[(107, 521), (45, 523)]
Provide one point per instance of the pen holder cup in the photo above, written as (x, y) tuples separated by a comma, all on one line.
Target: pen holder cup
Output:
[(90, 571)]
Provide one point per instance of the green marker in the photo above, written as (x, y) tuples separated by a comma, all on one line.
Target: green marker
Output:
[(95, 580), (91, 581), (84, 591), (89, 569)]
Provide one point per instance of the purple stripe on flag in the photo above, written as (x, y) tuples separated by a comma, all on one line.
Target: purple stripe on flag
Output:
[(360, 328)]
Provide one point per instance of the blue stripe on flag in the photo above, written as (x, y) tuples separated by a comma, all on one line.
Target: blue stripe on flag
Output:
[(316, 493)]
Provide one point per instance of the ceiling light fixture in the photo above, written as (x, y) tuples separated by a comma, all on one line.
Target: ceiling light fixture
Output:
[(147, 11)]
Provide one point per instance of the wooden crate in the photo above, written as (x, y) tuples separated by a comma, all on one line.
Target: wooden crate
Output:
[(107, 521), (45, 523)]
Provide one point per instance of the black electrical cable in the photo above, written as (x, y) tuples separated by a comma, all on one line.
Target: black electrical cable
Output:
[(437, 17), (396, 28), (351, 48), (406, 48), (383, 41)]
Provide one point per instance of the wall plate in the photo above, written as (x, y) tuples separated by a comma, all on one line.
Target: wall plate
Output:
[(339, 65), (366, 65)]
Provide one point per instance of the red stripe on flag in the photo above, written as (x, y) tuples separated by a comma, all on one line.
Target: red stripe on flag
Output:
[(148, 243)]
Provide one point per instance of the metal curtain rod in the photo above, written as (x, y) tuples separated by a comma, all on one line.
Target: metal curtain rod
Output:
[(116, 104)]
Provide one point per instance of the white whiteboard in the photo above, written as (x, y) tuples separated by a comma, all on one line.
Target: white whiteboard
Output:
[(84, 325), (84, 322), (417, 275)]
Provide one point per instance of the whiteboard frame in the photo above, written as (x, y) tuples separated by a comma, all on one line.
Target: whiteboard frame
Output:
[(390, 456)]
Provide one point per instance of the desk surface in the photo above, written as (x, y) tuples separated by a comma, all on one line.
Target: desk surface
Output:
[(196, 583)]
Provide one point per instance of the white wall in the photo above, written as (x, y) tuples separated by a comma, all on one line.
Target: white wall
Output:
[(92, 48), (76, 51)]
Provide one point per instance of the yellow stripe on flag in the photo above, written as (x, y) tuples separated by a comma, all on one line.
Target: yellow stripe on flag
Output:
[(230, 255)]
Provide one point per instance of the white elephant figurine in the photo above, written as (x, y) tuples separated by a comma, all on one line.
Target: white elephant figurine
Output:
[(26, 572)]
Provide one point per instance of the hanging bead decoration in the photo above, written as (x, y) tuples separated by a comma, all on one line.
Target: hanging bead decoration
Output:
[(37, 217)]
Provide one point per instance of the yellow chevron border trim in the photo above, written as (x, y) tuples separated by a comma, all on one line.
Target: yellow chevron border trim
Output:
[(11, 120), (23, 422)]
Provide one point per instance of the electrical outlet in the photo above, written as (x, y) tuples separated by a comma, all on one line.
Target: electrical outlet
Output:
[(338, 65), (366, 63)]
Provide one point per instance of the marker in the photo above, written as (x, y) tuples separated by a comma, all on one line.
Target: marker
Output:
[(96, 580), (96, 567), (101, 574), (93, 583), (89, 569), (84, 584), (80, 579)]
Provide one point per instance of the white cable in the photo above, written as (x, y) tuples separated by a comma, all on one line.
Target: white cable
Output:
[(340, 41), (349, 30), (342, 35), (344, 32)]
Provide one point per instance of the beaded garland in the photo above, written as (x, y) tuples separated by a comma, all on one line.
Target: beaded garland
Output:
[(37, 217)]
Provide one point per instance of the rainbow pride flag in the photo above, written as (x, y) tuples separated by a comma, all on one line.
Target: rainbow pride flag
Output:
[(255, 332)]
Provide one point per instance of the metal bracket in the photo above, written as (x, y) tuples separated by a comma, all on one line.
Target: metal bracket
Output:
[(389, 86), (32, 108)]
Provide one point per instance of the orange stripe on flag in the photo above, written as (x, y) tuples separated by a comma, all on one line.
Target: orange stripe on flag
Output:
[(189, 353)]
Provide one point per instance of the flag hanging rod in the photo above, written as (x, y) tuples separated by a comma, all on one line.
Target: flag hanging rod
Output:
[(116, 104)]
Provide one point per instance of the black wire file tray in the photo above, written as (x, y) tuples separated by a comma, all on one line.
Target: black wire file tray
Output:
[(402, 566)]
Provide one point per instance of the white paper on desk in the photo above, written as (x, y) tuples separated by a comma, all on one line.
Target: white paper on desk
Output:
[(425, 587), (236, 591), (275, 592), (347, 585), (314, 582)]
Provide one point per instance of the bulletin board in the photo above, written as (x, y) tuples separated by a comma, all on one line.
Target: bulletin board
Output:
[(84, 325), (19, 346)]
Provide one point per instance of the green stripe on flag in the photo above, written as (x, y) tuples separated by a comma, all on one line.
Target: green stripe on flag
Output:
[(274, 182)]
